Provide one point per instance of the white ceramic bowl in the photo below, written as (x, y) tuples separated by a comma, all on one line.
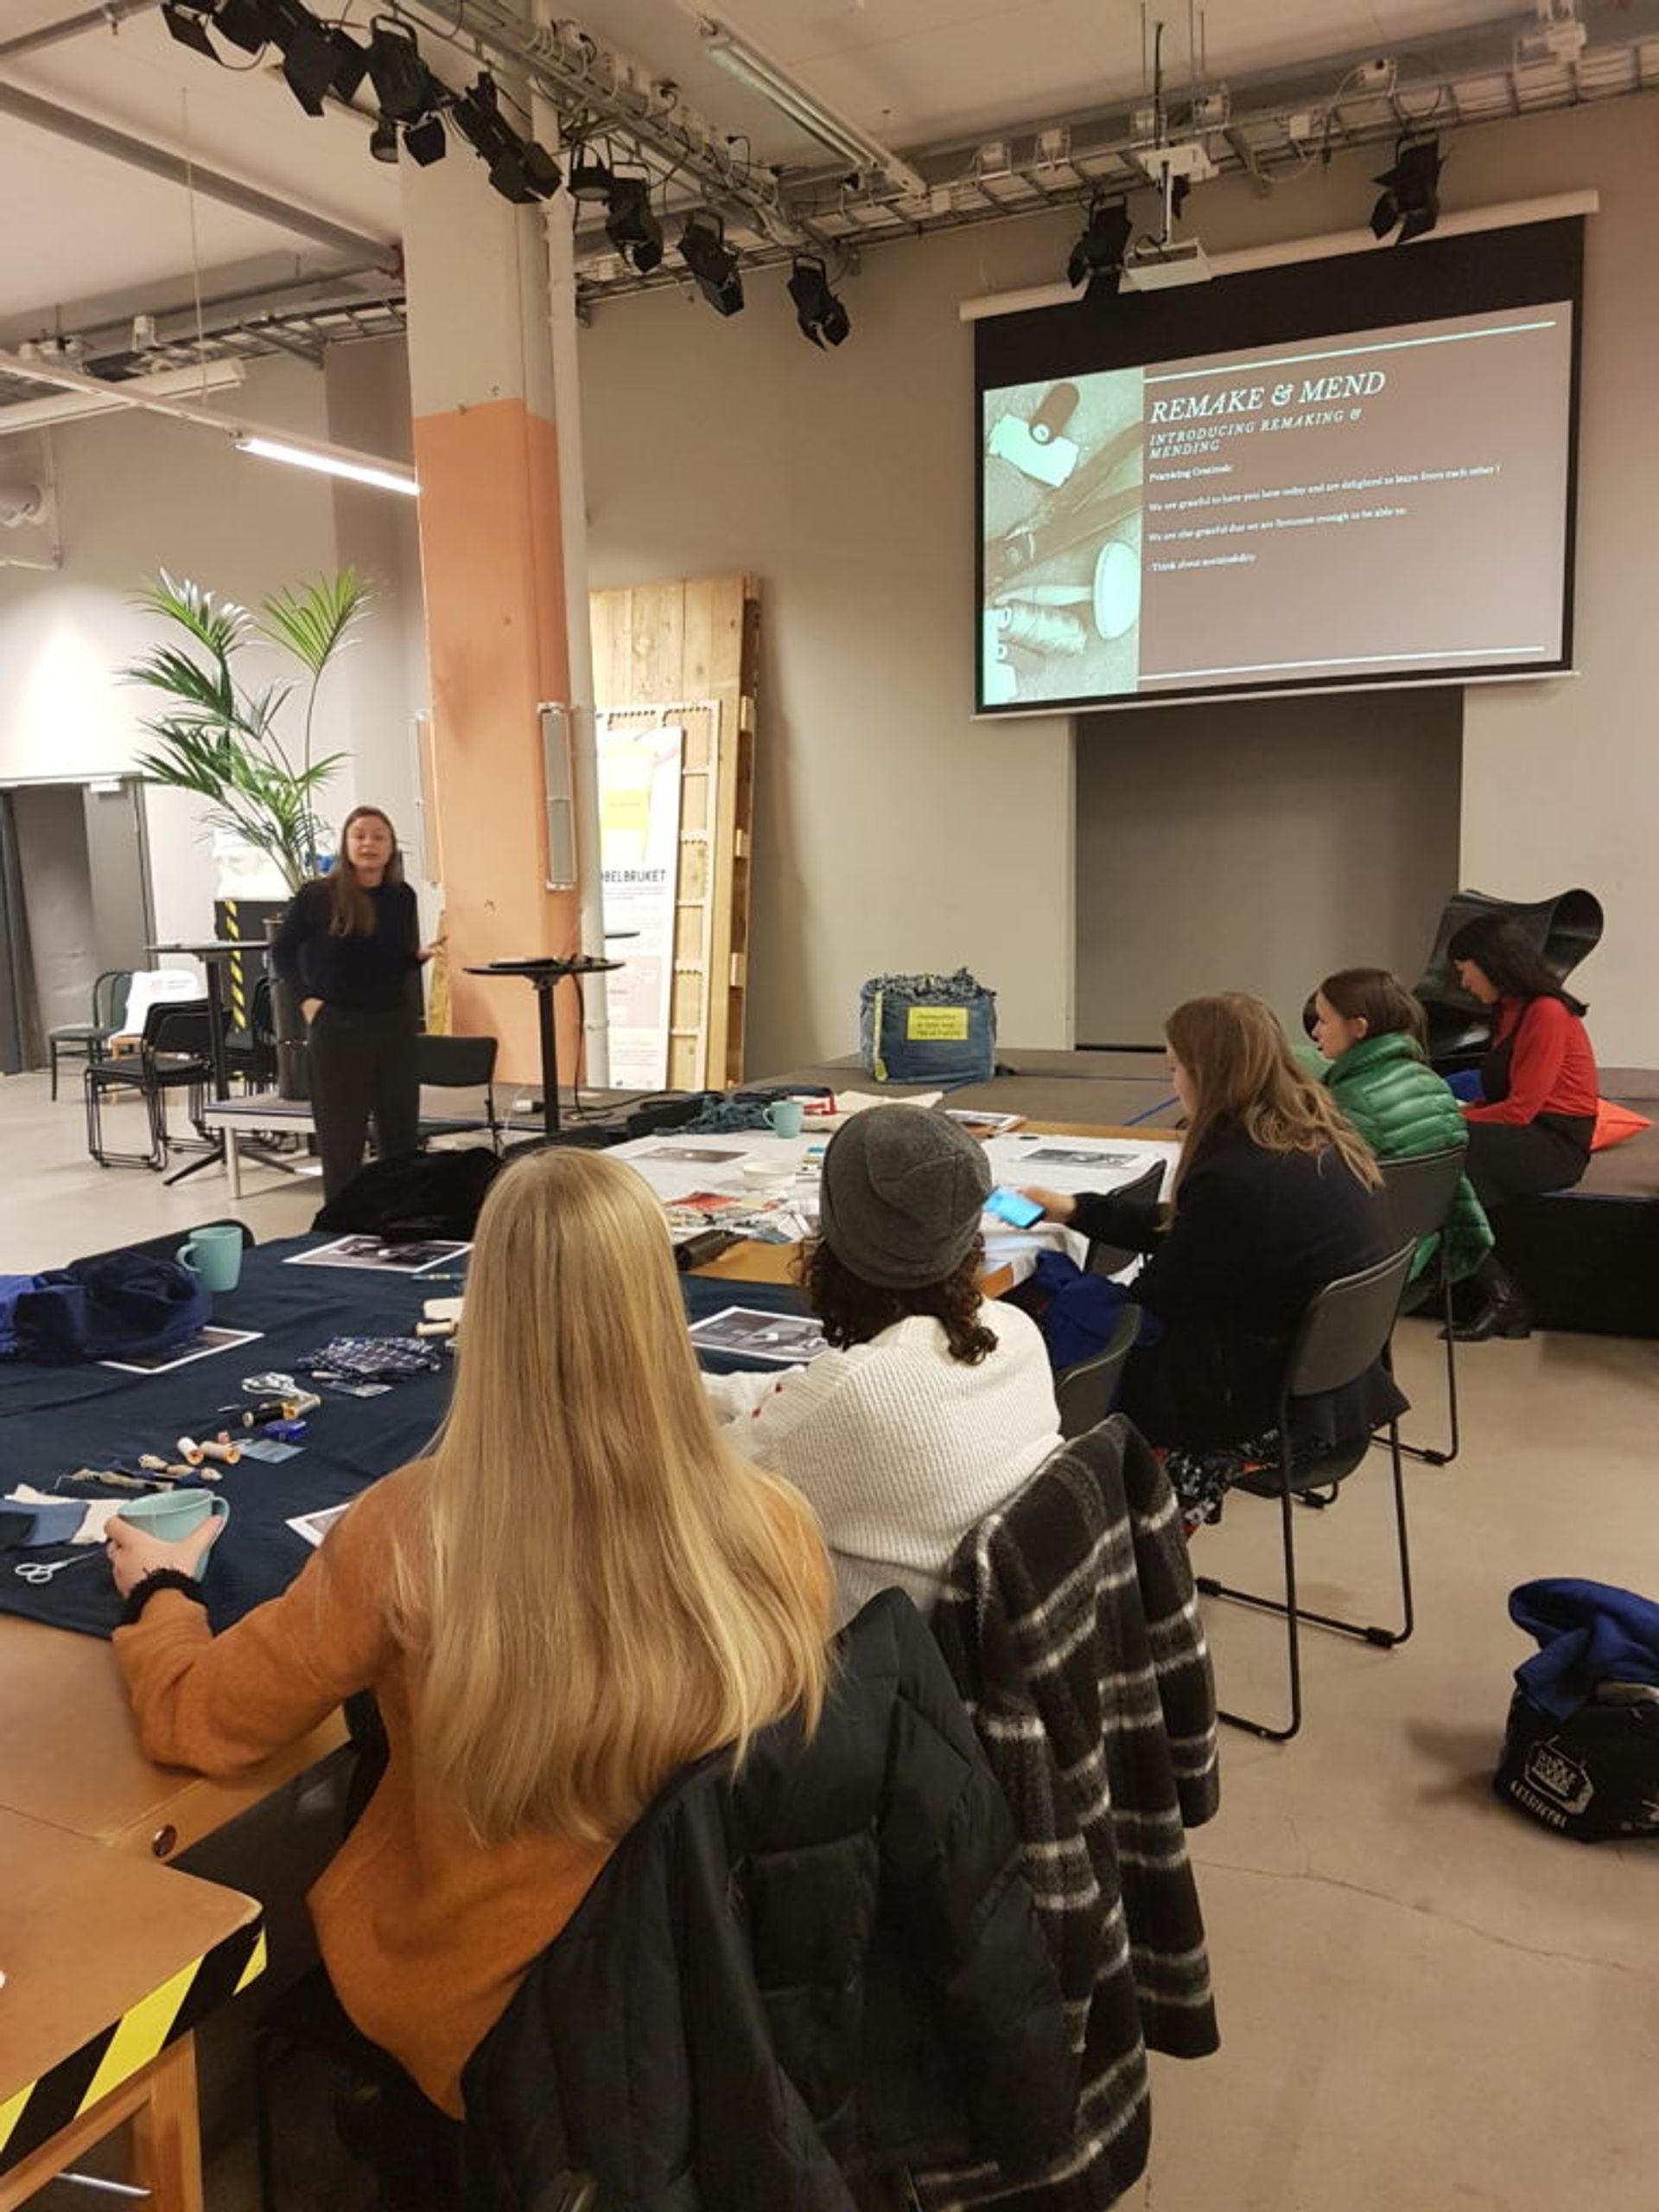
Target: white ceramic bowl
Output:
[(768, 1174)]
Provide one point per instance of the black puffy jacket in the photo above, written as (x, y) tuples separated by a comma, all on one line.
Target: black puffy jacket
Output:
[(829, 1964)]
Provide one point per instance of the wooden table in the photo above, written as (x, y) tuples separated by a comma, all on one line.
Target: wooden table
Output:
[(110, 1965), (70, 1755)]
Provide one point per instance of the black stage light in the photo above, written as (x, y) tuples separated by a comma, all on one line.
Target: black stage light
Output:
[(318, 59), (1098, 254), (424, 142), (631, 225), (403, 85), (820, 313), (185, 22), (244, 23), (1411, 191), (478, 115), (383, 140), (711, 261), (523, 172), (589, 178)]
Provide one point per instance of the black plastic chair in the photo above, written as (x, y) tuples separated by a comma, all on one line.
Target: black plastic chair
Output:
[(1086, 1393), (250, 1054), (85, 1040), (1565, 931), (1344, 1331), (1417, 1196), (1110, 1259), (461, 1063), (173, 1054)]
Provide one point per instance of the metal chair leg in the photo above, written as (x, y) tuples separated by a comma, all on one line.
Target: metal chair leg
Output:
[(1287, 1608), (1430, 1455)]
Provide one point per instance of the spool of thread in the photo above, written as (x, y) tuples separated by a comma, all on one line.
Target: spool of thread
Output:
[(435, 1328), (1042, 629), (222, 1449), (189, 1451)]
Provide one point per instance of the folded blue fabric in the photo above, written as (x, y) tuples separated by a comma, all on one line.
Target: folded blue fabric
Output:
[(1590, 1633), (51, 1525), (1466, 1085)]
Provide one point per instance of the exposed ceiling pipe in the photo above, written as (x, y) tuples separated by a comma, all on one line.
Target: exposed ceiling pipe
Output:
[(108, 17), (212, 184)]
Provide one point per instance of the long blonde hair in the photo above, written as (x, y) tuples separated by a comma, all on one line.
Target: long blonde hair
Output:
[(1247, 1078), (601, 1591)]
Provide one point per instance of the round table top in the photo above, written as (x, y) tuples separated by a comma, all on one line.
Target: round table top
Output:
[(549, 964), (214, 944)]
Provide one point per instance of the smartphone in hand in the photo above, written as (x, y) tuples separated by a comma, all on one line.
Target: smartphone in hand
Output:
[(1013, 1207)]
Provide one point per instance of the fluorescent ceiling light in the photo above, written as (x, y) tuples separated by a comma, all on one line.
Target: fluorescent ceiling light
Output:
[(742, 59), (330, 460), (167, 383)]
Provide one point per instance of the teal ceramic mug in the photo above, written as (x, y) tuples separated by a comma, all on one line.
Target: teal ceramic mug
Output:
[(172, 1515), (215, 1254), (785, 1117)]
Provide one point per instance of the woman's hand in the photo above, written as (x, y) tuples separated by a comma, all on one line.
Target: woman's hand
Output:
[(134, 1552), (310, 1008), (1058, 1205)]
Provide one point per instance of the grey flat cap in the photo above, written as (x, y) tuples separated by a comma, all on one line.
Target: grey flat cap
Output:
[(902, 1192)]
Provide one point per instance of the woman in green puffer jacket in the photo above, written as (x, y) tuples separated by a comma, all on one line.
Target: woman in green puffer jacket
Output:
[(1370, 1028)]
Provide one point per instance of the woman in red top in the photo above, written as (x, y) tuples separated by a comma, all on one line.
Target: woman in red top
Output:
[(1531, 1131)]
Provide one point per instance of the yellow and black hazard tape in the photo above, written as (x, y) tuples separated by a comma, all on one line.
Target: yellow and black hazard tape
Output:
[(238, 980), (36, 2111)]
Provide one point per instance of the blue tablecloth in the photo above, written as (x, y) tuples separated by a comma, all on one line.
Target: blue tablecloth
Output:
[(57, 1419)]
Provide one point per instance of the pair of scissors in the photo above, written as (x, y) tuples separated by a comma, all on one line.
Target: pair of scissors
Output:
[(39, 1570)]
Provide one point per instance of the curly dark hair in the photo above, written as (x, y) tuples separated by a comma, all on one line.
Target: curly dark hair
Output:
[(853, 1311)]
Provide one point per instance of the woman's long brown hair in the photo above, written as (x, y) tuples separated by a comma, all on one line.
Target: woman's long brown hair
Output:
[(1247, 1079), (350, 913)]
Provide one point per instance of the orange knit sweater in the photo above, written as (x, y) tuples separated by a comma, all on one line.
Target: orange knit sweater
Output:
[(426, 1933)]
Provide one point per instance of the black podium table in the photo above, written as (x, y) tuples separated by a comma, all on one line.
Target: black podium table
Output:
[(544, 976)]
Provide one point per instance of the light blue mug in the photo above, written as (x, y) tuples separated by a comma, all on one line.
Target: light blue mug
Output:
[(215, 1254), (785, 1117), (172, 1515)]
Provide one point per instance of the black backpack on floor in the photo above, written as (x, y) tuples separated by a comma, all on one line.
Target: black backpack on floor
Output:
[(421, 1194)]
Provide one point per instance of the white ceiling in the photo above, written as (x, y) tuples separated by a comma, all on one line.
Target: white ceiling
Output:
[(914, 72)]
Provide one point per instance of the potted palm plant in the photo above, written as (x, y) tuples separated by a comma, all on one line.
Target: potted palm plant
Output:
[(249, 751)]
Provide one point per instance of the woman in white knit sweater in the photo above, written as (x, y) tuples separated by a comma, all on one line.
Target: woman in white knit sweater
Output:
[(932, 1405)]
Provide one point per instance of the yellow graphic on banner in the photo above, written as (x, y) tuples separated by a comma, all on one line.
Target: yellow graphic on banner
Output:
[(938, 1024)]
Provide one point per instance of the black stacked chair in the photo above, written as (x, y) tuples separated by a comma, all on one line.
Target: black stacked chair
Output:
[(1417, 1195), (173, 1054), (461, 1063), (250, 1052), (1565, 929), (1111, 1259), (85, 1040), (1344, 1331), (1086, 1393)]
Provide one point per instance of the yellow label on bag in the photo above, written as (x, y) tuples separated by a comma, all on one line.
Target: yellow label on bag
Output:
[(938, 1024)]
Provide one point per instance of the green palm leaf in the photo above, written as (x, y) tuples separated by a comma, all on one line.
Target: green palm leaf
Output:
[(316, 619)]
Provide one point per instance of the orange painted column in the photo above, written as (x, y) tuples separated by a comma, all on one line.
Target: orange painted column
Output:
[(481, 374)]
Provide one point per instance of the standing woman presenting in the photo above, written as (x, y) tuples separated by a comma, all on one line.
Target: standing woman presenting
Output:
[(350, 947)]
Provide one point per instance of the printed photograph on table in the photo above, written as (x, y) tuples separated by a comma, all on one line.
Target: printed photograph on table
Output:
[(704, 1155), (1059, 1155), (313, 1527), (202, 1345), (412, 1259), (788, 1338)]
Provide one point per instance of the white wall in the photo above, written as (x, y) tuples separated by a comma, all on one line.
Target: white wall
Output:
[(894, 832), (138, 493)]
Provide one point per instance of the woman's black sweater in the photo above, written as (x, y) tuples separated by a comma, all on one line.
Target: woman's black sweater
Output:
[(366, 974), (1254, 1234)]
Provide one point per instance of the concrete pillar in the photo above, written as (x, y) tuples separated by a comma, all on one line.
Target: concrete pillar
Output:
[(487, 454)]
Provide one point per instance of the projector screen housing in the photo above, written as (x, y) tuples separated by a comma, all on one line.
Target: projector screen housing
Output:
[(1354, 471)]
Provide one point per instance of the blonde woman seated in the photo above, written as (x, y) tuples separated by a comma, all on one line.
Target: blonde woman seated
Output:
[(1274, 1196), (581, 1590), (934, 1404)]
